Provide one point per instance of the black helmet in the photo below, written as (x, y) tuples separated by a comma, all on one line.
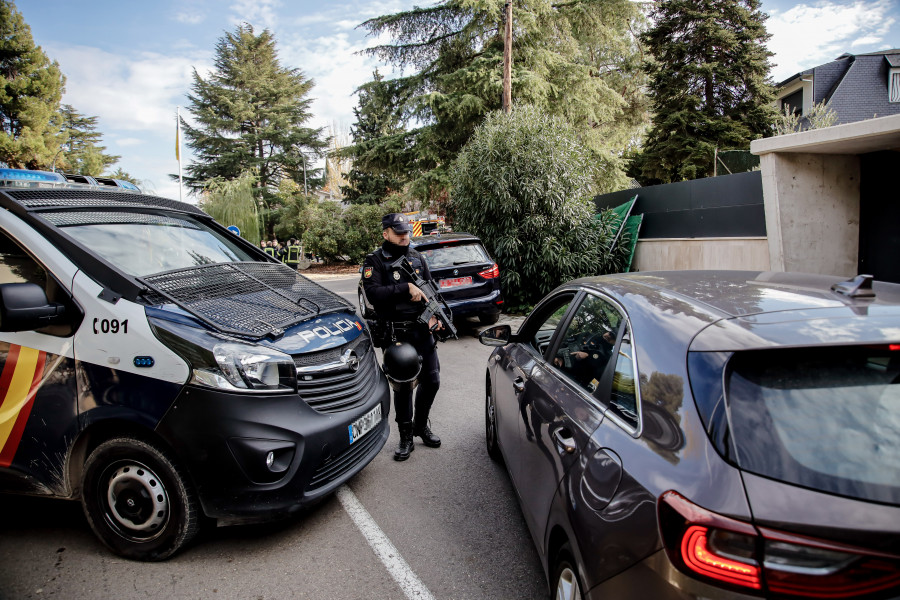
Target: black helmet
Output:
[(401, 363)]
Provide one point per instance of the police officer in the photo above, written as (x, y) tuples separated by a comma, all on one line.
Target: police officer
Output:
[(398, 300)]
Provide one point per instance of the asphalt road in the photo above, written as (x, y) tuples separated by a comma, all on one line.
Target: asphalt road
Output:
[(444, 524)]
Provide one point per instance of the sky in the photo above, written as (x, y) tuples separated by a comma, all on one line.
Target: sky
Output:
[(130, 63)]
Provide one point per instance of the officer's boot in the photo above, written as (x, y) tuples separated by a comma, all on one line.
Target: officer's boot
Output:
[(422, 430), (406, 441)]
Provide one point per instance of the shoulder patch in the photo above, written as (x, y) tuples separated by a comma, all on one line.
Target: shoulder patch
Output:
[(367, 272)]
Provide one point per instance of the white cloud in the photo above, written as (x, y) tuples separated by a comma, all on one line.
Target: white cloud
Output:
[(337, 68), (190, 17), (811, 34), (259, 13), (133, 93), (127, 141)]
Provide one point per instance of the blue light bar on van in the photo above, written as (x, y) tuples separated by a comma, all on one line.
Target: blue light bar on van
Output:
[(26, 175), (128, 185)]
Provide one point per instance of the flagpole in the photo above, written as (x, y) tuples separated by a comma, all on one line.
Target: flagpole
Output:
[(178, 151)]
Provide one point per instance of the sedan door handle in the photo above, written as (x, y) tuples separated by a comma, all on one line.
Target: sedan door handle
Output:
[(519, 385), (566, 443)]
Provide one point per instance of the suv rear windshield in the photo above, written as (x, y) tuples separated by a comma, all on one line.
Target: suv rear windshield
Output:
[(827, 419), (453, 256)]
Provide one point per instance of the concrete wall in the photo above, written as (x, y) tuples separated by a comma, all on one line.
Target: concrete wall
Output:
[(812, 212), (666, 254)]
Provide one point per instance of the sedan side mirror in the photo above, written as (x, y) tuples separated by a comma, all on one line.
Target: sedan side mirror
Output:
[(499, 335), (24, 307)]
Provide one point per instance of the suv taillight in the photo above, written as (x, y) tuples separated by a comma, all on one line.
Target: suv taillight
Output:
[(735, 554), (494, 271)]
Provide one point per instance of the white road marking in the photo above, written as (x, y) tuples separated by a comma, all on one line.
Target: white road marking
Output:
[(411, 585)]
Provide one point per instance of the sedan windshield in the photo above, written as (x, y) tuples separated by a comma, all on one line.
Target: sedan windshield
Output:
[(142, 244)]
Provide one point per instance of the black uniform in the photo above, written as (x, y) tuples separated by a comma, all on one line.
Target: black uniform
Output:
[(388, 290)]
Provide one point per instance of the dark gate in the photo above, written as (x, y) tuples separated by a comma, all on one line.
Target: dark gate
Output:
[(879, 216), (726, 206)]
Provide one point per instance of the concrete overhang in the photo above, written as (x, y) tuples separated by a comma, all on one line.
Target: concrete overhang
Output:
[(860, 137)]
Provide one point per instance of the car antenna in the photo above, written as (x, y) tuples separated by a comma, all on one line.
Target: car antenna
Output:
[(858, 287)]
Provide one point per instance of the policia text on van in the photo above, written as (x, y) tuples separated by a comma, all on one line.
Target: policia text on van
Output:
[(160, 368)]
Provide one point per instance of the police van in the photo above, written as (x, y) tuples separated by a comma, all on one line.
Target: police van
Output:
[(162, 370)]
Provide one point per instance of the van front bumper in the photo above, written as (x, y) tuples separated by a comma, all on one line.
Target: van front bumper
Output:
[(253, 457)]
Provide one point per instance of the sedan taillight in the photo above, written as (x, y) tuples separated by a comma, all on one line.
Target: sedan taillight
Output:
[(494, 271), (735, 554)]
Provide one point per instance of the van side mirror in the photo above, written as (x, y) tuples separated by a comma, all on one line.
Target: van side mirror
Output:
[(24, 307), (499, 335)]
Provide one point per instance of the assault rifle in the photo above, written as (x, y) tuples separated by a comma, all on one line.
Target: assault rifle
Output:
[(435, 306)]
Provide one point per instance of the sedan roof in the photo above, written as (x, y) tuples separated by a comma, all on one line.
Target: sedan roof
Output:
[(754, 309)]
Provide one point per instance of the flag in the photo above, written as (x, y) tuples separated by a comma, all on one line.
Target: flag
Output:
[(177, 137)]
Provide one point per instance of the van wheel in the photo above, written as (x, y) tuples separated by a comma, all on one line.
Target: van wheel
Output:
[(137, 500), (567, 586)]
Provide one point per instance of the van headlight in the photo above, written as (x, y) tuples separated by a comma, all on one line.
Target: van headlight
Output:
[(228, 364)]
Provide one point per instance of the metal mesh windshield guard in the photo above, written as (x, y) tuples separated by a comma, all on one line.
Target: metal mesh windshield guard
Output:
[(249, 299), (72, 198)]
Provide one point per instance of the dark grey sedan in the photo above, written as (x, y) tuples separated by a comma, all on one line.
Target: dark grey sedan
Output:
[(705, 434)]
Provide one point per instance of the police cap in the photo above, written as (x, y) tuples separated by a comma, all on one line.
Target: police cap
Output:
[(396, 221)]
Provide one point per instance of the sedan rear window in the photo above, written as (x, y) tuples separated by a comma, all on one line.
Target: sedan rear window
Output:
[(827, 419), (453, 256)]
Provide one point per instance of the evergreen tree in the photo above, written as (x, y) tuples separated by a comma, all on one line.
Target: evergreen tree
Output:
[(708, 82), (250, 115), (31, 87), (82, 152), (569, 59), (370, 180)]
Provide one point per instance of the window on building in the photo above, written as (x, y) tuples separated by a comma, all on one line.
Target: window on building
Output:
[(793, 102), (894, 85)]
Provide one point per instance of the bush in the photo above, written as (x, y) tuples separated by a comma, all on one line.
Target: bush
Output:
[(325, 231), (523, 184)]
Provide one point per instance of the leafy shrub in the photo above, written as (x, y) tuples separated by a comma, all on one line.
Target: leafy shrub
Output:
[(523, 184)]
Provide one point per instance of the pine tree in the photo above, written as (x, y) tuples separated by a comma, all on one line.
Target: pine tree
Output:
[(709, 85), (569, 59), (82, 152), (31, 87), (250, 116), (370, 180)]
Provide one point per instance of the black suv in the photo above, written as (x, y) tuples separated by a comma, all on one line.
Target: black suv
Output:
[(467, 275)]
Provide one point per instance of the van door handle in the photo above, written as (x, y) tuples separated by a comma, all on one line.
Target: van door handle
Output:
[(519, 385), (567, 444)]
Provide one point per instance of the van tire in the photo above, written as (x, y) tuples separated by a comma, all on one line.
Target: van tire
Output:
[(137, 500)]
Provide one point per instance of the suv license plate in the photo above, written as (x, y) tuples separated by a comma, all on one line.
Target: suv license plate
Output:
[(455, 281), (364, 424)]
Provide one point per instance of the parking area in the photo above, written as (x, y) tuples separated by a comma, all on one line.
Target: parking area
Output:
[(449, 515)]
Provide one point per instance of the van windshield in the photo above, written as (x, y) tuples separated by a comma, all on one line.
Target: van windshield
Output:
[(824, 418), (142, 244)]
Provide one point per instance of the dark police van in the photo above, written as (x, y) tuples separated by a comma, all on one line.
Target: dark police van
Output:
[(161, 369)]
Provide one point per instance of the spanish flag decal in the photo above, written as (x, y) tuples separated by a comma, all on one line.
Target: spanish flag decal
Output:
[(19, 381)]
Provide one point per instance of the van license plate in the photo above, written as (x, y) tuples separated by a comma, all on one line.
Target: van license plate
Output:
[(455, 281), (364, 424)]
